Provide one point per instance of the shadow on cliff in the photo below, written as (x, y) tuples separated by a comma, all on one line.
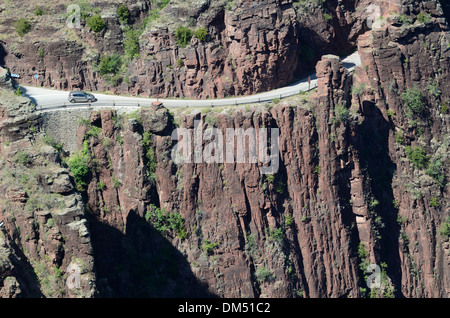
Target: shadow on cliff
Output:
[(313, 46), (140, 263), (446, 8), (24, 271), (374, 152), (2, 55)]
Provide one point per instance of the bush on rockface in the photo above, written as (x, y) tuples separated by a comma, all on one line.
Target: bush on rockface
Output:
[(183, 36), (78, 164), (414, 100), (123, 14), (96, 23), (201, 34), (417, 156), (23, 27)]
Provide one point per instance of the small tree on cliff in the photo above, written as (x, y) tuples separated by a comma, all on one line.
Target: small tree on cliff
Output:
[(183, 35), (414, 100), (23, 27), (96, 23), (201, 34), (79, 166), (123, 14)]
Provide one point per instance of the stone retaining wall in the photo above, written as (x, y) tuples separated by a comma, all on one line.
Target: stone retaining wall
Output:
[(62, 125)]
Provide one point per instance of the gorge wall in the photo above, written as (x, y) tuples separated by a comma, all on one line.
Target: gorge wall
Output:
[(44, 238), (363, 179), (249, 47)]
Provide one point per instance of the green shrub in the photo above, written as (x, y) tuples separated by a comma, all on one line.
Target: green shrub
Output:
[(405, 20), (209, 247), (160, 4), (23, 27), (86, 10), (131, 43), (359, 89), (18, 91), (116, 183), (414, 100), (79, 166), (93, 131), (164, 222), (22, 158), (444, 108), (153, 14), (101, 185), (50, 222), (183, 35), (399, 137), (317, 169), (96, 23), (110, 64), (374, 203), (180, 63), (276, 234), (435, 170), (147, 141), (423, 17), (363, 253), (342, 114), (48, 140), (390, 113), (433, 88), (280, 187), (263, 274), (38, 11), (288, 220), (445, 229), (201, 34), (305, 219), (123, 13), (327, 17), (417, 156), (270, 178), (434, 202)]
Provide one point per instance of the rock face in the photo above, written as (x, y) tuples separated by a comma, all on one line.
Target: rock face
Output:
[(362, 182), (404, 68), (251, 46), (44, 240), (250, 49), (349, 192)]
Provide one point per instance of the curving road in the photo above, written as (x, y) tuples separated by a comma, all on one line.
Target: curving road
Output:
[(49, 99)]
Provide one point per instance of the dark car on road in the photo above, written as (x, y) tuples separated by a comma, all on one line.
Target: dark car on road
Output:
[(80, 96)]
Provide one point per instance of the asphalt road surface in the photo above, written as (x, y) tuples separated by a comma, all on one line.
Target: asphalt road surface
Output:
[(50, 99)]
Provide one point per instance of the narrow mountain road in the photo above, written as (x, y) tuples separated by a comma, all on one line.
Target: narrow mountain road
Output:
[(50, 99)]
